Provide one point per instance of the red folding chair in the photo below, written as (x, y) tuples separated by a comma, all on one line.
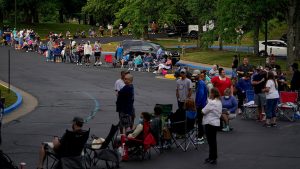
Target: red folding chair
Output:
[(108, 59), (288, 105)]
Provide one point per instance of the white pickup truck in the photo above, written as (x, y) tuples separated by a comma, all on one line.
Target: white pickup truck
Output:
[(193, 29)]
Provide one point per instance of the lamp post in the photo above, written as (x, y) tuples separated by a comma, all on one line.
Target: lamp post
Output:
[(15, 13)]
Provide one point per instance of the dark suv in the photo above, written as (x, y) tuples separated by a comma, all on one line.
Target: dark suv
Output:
[(140, 47)]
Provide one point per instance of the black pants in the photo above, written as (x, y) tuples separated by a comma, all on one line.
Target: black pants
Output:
[(241, 98), (180, 105), (211, 136), (199, 121)]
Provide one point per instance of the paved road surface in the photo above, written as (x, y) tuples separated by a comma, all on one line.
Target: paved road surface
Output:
[(66, 90)]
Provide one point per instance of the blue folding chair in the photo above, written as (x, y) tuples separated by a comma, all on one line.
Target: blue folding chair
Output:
[(250, 107)]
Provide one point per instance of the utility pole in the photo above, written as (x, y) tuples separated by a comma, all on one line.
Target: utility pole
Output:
[(16, 14)]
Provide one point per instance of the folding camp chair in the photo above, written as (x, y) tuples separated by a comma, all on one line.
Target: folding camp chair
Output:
[(288, 105), (167, 110), (108, 59), (106, 151), (140, 146), (69, 153), (249, 107), (183, 129)]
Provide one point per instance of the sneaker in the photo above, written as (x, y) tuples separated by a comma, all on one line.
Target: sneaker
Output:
[(199, 141), (226, 129), (273, 125), (100, 63), (155, 72), (267, 125)]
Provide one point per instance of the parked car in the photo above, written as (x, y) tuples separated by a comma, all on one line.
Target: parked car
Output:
[(179, 28), (141, 47), (275, 47)]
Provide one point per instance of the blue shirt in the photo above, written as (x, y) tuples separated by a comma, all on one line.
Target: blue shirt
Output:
[(201, 94), (243, 85), (229, 104)]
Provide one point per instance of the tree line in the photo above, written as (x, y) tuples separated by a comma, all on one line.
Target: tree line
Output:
[(228, 16)]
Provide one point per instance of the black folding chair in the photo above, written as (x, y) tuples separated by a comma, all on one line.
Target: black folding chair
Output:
[(106, 152), (71, 147)]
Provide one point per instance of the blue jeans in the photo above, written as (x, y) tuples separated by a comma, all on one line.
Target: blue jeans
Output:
[(271, 108)]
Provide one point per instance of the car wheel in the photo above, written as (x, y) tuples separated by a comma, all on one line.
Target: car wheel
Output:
[(263, 53), (194, 34)]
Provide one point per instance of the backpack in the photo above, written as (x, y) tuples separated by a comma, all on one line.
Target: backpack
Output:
[(6, 162)]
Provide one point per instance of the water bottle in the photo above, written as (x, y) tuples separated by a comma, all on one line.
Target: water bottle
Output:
[(22, 165)]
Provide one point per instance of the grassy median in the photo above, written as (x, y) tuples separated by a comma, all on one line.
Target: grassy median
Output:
[(10, 97)]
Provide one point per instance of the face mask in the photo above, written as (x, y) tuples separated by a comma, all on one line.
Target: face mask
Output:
[(226, 97)]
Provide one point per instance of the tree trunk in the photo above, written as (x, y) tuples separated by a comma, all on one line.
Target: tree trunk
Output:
[(297, 33), (92, 20), (35, 15), (291, 35), (256, 35), (146, 35), (220, 42), (1, 18), (61, 16)]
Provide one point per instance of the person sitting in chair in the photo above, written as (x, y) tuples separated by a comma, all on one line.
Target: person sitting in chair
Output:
[(144, 120), (167, 65), (55, 147), (229, 104)]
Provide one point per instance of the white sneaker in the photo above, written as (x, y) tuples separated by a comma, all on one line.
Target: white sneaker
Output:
[(199, 140), (100, 63), (155, 72)]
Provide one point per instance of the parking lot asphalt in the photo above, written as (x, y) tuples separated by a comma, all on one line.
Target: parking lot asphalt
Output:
[(67, 90)]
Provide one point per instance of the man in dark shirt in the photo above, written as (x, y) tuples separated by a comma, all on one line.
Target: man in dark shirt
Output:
[(295, 82), (234, 66), (56, 145), (245, 68), (259, 82), (125, 102)]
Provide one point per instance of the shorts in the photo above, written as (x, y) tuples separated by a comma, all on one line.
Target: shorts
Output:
[(125, 120), (97, 54), (260, 99)]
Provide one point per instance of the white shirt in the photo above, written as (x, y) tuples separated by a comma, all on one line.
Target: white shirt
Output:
[(119, 84), (87, 49), (212, 112), (273, 92), (183, 87)]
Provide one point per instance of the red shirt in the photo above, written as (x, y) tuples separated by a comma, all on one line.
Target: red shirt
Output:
[(221, 85)]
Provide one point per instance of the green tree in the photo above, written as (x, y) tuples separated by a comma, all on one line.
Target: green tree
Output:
[(139, 13)]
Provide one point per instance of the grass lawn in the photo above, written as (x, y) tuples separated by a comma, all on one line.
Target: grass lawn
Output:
[(224, 58), (10, 97)]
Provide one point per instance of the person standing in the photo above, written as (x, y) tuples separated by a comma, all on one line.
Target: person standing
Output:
[(242, 86), (272, 97), (119, 84), (201, 100), (211, 120), (183, 89), (258, 83), (295, 82), (119, 53), (125, 106), (97, 53), (245, 68), (234, 66), (87, 50), (222, 82)]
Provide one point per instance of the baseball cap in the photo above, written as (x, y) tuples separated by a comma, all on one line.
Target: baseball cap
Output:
[(196, 72), (77, 119), (182, 71)]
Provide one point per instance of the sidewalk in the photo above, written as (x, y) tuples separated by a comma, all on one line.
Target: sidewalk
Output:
[(29, 103)]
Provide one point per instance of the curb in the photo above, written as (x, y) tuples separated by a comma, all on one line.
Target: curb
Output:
[(228, 72), (17, 104)]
